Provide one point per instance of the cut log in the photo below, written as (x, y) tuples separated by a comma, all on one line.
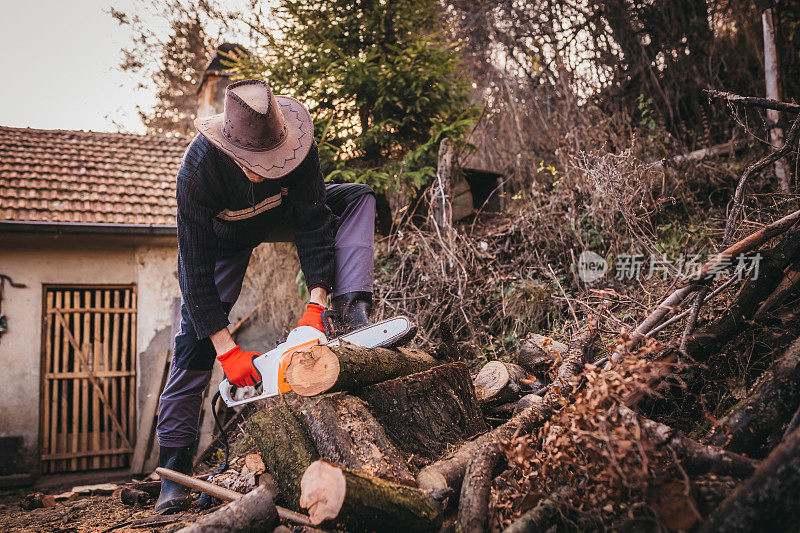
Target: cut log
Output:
[(346, 433), (756, 424), (697, 458), (429, 412), (527, 401), (284, 445), (473, 505), (321, 369), (499, 382), (539, 353), (254, 512), (767, 500), (333, 494)]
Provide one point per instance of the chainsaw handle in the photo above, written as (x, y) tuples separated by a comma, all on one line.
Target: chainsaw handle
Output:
[(225, 390)]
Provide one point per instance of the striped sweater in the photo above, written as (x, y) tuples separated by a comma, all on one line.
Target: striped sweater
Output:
[(216, 203)]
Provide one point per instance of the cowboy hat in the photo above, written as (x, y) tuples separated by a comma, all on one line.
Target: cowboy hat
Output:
[(267, 134)]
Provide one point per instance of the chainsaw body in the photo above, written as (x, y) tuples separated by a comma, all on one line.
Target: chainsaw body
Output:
[(272, 364)]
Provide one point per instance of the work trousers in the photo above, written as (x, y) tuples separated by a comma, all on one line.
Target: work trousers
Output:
[(179, 405)]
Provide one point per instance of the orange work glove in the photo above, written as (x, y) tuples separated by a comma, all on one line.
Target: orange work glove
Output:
[(238, 367), (313, 317)]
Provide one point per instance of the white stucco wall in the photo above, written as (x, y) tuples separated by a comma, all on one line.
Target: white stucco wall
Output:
[(37, 260)]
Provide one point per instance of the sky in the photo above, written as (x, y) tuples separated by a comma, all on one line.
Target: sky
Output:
[(59, 65)]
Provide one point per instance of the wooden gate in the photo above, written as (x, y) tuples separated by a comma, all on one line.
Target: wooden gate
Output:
[(88, 409)]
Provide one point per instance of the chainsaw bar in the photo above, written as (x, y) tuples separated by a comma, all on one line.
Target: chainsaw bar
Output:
[(384, 334)]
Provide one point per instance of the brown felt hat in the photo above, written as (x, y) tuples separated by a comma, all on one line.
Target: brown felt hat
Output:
[(268, 134)]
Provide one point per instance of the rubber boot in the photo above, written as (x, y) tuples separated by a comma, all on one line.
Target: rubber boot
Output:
[(174, 497), (353, 309)]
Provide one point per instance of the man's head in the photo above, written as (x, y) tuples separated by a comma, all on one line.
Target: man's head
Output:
[(268, 136)]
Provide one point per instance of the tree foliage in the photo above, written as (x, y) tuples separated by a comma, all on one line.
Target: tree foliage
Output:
[(381, 81)]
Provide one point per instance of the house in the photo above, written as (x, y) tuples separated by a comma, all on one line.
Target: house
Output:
[(88, 226)]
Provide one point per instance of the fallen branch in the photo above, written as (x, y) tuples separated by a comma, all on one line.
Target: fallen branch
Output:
[(748, 244), (699, 458), (767, 501), (541, 517), (756, 424), (254, 512), (753, 101), (473, 505)]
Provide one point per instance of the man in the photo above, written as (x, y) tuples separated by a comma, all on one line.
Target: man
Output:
[(252, 175)]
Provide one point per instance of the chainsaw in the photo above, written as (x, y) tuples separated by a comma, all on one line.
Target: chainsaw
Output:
[(272, 365)]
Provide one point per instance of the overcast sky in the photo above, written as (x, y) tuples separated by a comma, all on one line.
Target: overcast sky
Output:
[(58, 60)]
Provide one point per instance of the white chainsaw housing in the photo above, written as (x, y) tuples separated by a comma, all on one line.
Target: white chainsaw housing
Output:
[(268, 364)]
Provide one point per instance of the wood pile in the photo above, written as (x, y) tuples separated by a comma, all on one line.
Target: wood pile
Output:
[(391, 440)]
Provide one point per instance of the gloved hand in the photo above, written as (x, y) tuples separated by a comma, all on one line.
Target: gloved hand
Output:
[(313, 317), (238, 367)]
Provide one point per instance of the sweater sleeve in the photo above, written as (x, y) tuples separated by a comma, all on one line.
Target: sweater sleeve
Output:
[(312, 223), (197, 251)]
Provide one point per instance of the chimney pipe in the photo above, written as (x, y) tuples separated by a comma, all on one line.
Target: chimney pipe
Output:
[(216, 77)]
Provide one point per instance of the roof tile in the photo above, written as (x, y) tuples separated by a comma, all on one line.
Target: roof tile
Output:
[(79, 176)]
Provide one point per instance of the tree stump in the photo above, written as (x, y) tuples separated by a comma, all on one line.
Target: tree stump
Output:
[(428, 412), (346, 433), (333, 494), (320, 369), (284, 445)]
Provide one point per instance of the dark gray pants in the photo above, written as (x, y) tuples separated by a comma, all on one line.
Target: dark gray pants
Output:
[(190, 371)]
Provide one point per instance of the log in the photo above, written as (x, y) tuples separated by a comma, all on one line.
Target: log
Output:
[(255, 511), (473, 506), (346, 433), (319, 369), (537, 354), (697, 458), (429, 412), (283, 443), (499, 382), (756, 424), (767, 501), (333, 494), (527, 401)]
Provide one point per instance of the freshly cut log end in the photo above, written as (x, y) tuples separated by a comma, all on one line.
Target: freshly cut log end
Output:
[(323, 488), (313, 371), (539, 353), (356, 502), (499, 382)]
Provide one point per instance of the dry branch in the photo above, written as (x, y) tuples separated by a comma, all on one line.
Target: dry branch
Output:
[(748, 244), (767, 501), (757, 423), (753, 101), (699, 458), (254, 512)]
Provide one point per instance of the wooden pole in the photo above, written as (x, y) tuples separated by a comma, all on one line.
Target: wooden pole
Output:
[(772, 78), (227, 495)]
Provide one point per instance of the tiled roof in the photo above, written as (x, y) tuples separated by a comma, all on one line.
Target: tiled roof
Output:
[(61, 176)]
